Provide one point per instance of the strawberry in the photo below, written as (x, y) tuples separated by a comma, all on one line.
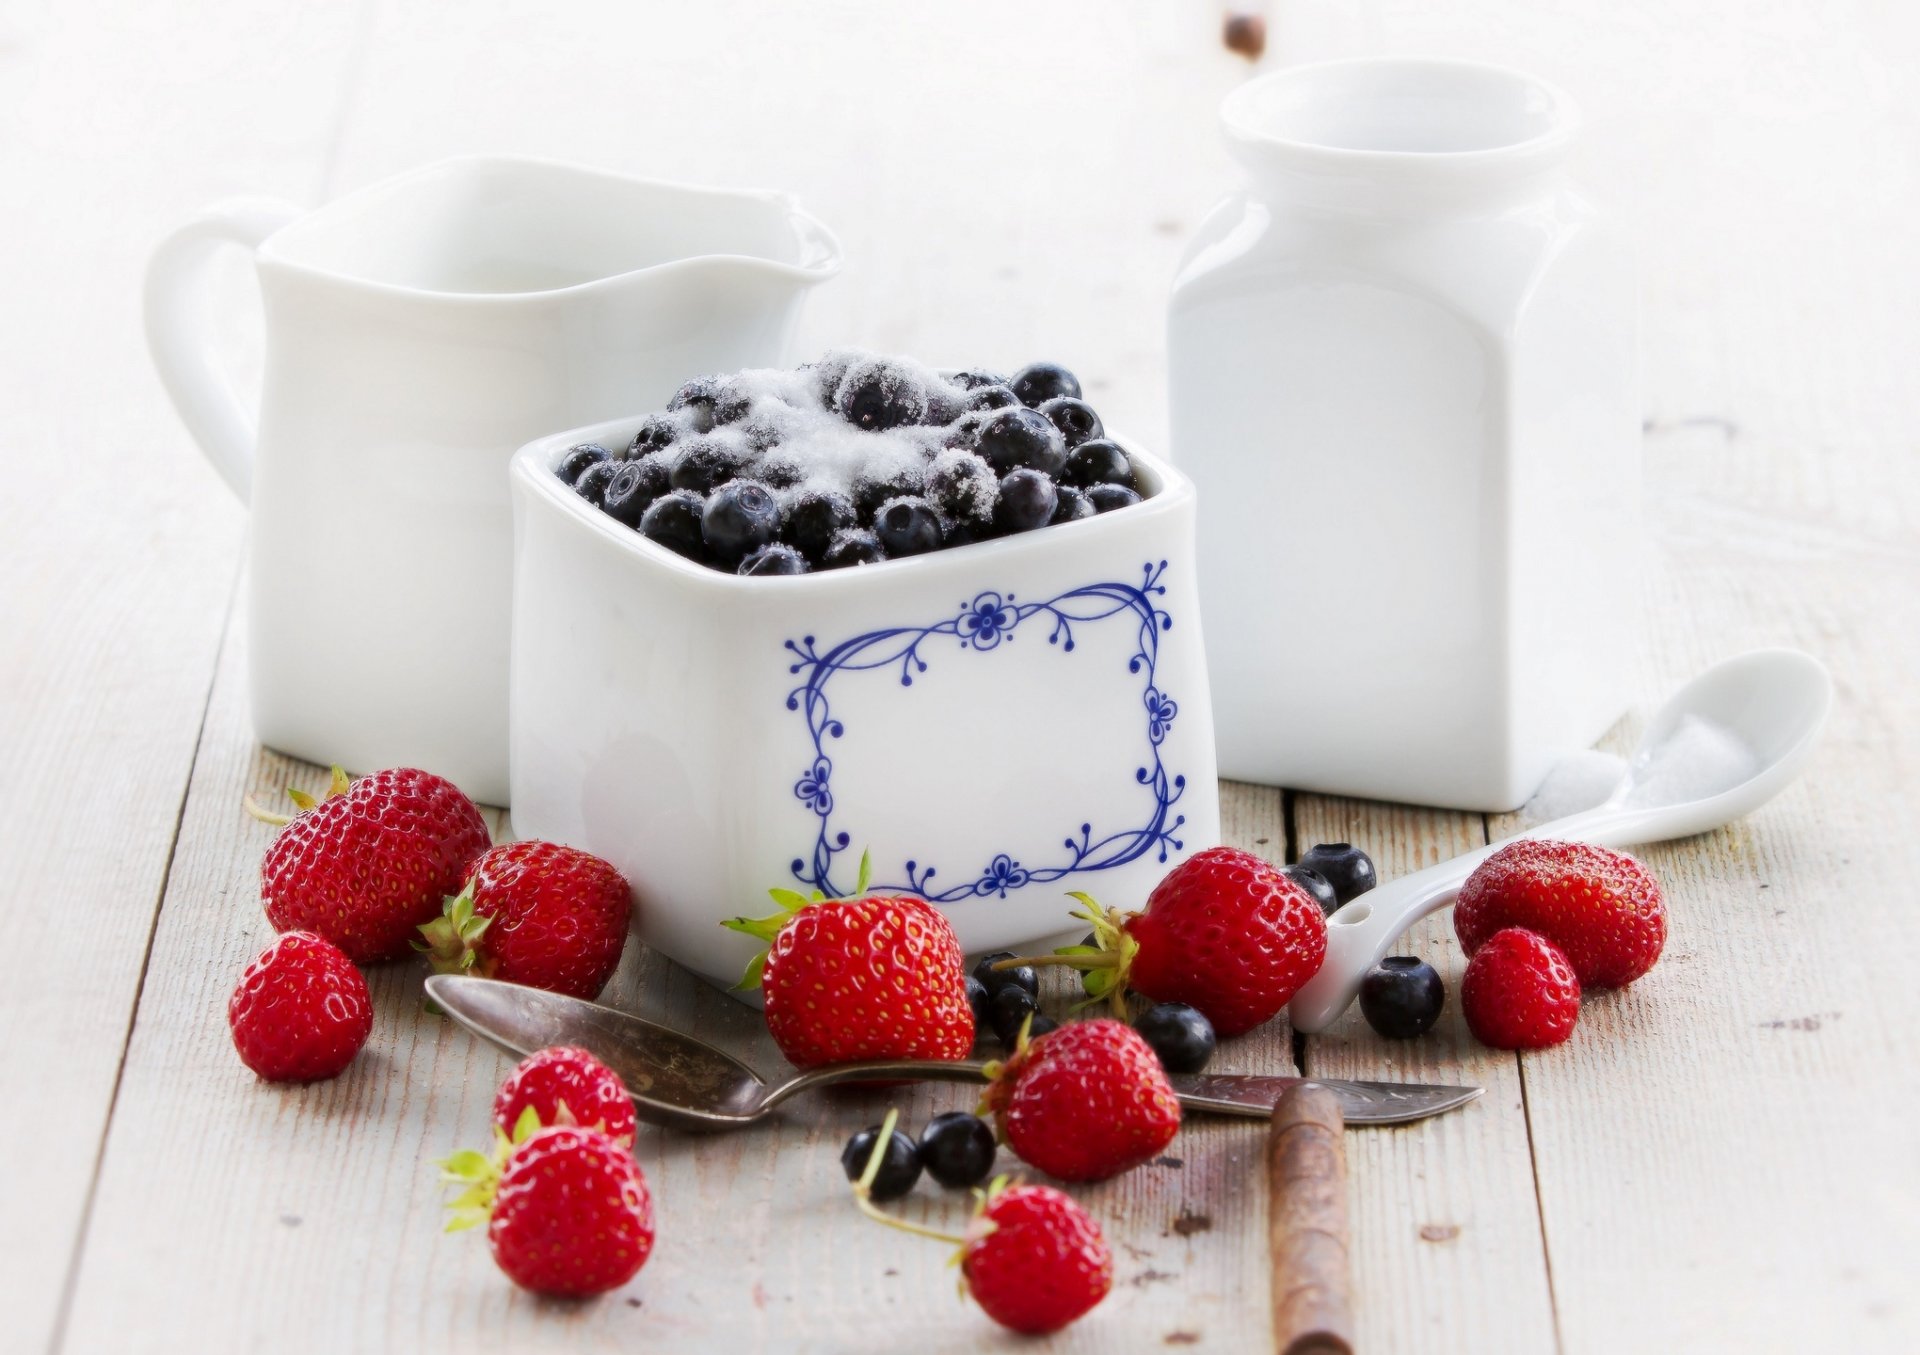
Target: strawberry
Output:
[(1031, 1257), (536, 913), (860, 978), (1602, 908), (566, 1085), (1039, 1262), (1224, 932), (1519, 992), (301, 1011), (1084, 1102), (566, 1208), (371, 861)]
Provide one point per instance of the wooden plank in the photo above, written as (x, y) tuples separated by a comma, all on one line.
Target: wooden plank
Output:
[(1447, 1249), (117, 549)]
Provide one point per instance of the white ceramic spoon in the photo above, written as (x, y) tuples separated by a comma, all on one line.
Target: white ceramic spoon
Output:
[(1773, 700)]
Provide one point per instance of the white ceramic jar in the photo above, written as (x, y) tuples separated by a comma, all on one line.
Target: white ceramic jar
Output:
[(1403, 375), (996, 724)]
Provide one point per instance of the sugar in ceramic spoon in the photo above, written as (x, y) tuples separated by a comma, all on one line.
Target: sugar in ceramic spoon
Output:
[(1757, 715)]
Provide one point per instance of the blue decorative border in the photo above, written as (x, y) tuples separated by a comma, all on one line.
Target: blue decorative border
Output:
[(984, 624)]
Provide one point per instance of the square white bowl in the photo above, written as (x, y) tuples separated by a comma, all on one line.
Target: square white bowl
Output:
[(997, 724)]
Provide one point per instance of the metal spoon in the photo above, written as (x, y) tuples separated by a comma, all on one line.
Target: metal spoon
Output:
[(1774, 700), (677, 1080)]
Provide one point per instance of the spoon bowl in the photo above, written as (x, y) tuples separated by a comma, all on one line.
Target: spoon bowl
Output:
[(1763, 712)]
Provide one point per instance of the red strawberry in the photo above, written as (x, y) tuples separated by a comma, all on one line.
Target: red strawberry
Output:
[(567, 1211), (1040, 1264), (1084, 1102), (536, 913), (373, 860), (565, 1085), (1602, 908), (301, 1011), (1224, 932), (860, 978), (1519, 992)]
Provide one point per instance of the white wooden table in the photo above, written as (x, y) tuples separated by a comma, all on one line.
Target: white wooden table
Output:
[(1724, 1157)]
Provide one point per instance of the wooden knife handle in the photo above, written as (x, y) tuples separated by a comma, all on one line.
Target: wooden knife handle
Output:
[(1307, 1224)]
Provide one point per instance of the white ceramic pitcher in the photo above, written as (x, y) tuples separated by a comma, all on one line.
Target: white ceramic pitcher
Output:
[(417, 333), (1403, 376)]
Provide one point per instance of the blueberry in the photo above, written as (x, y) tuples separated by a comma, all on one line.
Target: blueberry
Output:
[(853, 547), (1348, 869), (963, 487), (578, 459), (1027, 500), (1074, 418), (772, 560), (991, 397), (828, 372), (673, 521), (1401, 997), (945, 403), (655, 435), (697, 397), (593, 481), (731, 403), (1040, 1025), (1179, 1034), (1012, 439), (1072, 506), (957, 1149), (1098, 462), (777, 472), (966, 533), (877, 394), (1040, 382), (977, 378), (1315, 884), (875, 486), (761, 435), (1106, 498), (907, 527), (980, 1000), (633, 488), (1009, 1010), (815, 518), (995, 980), (899, 1163), (705, 464), (740, 518)]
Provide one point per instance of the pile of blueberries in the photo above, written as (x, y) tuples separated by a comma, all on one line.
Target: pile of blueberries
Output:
[(715, 479)]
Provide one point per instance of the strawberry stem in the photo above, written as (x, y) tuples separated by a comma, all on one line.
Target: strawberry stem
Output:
[(863, 1188)]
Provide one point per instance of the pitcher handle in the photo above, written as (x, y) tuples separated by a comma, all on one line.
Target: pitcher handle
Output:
[(180, 337)]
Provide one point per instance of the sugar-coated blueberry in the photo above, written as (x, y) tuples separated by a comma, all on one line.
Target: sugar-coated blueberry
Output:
[(828, 372), (1315, 884), (1348, 869), (656, 435), (633, 488), (778, 471), (815, 518), (907, 527), (741, 516), (1017, 438), (1179, 1034), (1098, 462), (697, 397), (963, 487), (704, 464), (879, 394), (776, 558), (991, 397), (1073, 505), (578, 459), (1106, 498), (899, 1163), (957, 1149), (994, 980), (855, 546), (1401, 997), (731, 403), (593, 481), (976, 378), (878, 485), (1039, 382), (1075, 419), (673, 521), (1027, 500)]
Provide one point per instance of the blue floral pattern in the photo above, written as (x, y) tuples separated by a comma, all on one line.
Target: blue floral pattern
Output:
[(990, 620)]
